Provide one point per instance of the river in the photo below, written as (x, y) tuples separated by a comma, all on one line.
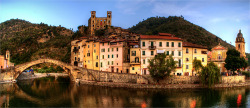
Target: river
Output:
[(51, 92)]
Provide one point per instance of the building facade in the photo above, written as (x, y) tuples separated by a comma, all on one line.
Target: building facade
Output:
[(190, 52), (135, 55), (5, 60), (96, 23), (152, 45), (218, 55)]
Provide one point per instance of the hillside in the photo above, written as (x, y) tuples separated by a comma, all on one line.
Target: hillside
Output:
[(181, 28), (27, 41)]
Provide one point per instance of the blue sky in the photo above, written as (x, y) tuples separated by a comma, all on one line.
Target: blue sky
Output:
[(223, 18)]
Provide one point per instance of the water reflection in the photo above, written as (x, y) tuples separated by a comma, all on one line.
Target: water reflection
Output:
[(50, 92)]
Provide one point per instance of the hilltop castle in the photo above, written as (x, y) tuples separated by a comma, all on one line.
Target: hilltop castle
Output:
[(96, 23)]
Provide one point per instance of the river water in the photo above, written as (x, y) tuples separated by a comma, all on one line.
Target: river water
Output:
[(51, 92)]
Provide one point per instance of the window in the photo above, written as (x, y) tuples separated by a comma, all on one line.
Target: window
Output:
[(195, 50), (96, 57), (94, 50), (117, 55), (75, 58), (179, 53), (160, 44), (143, 61), (103, 50), (88, 46), (203, 60), (101, 64), (108, 43), (172, 44), (88, 54), (186, 50), (195, 57), (239, 46), (143, 43), (133, 68), (179, 62), (94, 45), (96, 64), (167, 44), (108, 62), (102, 44), (117, 70), (167, 52), (102, 56), (108, 56), (143, 52), (112, 56), (179, 44), (173, 53), (133, 53), (187, 59), (112, 49), (108, 49), (116, 49), (112, 62), (78, 59), (186, 66), (152, 52)]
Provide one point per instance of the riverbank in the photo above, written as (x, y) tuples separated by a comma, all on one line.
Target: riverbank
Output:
[(160, 86), (26, 76)]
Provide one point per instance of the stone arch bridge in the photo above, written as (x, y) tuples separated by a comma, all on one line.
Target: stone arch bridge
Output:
[(73, 71)]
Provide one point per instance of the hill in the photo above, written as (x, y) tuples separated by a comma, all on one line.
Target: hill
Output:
[(27, 41), (181, 28)]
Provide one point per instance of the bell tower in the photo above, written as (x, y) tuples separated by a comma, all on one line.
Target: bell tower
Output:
[(7, 57), (240, 44)]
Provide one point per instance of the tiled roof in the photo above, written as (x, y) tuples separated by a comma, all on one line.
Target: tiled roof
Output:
[(219, 47), (187, 44), (159, 37)]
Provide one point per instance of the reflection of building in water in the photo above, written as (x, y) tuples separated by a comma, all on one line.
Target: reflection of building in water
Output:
[(230, 93)]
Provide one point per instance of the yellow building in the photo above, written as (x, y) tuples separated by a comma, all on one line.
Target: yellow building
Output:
[(96, 23), (190, 52), (135, 55), (96, 53), (77, 51), (218, 55)]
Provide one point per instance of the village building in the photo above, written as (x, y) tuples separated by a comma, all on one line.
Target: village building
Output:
[(190, 52), (218, 54), (135, 57), (5, 61), (152, 45)]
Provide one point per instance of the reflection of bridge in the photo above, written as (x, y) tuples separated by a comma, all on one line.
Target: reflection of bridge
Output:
[(73, 71)]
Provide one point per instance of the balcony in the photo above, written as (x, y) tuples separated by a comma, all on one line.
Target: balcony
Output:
[(135, 62), (152, 47)]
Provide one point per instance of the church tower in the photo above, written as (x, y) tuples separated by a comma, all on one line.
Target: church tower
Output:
[(7, 57), (240, 44)]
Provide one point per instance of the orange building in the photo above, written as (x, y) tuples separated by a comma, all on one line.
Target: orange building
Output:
[(5, 61)]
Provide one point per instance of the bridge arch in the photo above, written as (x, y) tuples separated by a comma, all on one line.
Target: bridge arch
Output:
[(69, 69)]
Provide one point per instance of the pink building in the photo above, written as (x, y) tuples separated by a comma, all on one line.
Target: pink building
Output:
[(114, 56)]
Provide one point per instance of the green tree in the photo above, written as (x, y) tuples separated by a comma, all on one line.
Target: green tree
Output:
[(234, 61), (197, 65), (161, 66), (210, 74)]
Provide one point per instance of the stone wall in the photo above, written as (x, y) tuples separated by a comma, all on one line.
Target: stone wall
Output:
[(113, 77), (233, 79), (170, 80)]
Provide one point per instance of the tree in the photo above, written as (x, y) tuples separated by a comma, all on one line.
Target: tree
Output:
[(161, 66), (197, 65), (234, 61), (210, 74)]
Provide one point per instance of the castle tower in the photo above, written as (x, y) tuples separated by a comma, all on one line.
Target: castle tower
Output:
[(92, 22), (109, 17), (240, 44)]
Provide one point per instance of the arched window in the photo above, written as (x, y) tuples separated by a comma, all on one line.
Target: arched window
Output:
[(239, 46)]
